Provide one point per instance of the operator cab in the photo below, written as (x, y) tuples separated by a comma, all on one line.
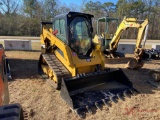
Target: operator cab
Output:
[(106, 27), (75, 29)]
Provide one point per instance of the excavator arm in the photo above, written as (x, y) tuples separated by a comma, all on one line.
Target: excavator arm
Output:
[(142, 30), (128, 23)]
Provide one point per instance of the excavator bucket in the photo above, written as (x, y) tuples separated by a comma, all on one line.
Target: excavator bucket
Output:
[(134, 64), (87, 92)]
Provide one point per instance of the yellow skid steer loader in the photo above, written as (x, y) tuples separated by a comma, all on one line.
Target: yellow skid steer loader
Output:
[(73, 64)]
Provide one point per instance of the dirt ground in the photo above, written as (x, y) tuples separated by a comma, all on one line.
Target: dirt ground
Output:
[(42, 102)]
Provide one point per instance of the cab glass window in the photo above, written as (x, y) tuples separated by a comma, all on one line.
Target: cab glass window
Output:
[(80, 35), (60, 26)]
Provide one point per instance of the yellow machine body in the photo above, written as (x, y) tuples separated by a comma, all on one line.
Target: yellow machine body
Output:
[(80, 73), (70, 59)]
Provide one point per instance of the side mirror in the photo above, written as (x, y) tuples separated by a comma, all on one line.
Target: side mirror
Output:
[(55, 32)]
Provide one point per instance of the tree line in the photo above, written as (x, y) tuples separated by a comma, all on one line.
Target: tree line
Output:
[(23, 17)]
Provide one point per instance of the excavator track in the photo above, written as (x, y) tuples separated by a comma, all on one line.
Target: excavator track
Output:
[(56, 66)]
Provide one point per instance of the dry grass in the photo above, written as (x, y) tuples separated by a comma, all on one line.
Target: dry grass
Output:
[(43, 102), (36, 46)]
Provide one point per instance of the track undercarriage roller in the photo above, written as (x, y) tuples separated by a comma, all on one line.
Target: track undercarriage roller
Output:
[(45, 67)]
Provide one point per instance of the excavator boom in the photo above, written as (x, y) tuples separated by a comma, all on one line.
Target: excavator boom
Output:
[(129, 23)]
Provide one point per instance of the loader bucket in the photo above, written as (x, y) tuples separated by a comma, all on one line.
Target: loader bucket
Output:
[(87, 92)]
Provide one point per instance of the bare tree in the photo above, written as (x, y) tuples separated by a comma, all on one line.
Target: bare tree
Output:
[(9, 6)]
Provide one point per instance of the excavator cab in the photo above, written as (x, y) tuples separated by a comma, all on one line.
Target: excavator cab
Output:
[(106, 27)]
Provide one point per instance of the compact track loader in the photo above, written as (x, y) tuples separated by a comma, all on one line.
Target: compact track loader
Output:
[(73, 64)]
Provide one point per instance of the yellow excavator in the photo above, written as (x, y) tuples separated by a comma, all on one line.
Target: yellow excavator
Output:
[(109, 42), (73, 64)]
